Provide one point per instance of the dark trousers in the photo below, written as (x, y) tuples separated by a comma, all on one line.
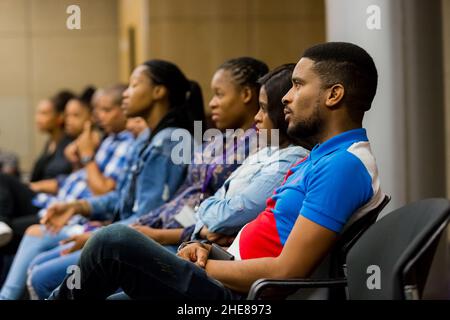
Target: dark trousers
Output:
[(16, 209), (120, 257)]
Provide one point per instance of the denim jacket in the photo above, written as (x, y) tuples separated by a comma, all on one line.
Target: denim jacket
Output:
[(152, 179), (191, 190), (243, 195)]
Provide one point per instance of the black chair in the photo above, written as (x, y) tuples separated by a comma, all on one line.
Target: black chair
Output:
[(402, 246), (333, 266), (397, 257)]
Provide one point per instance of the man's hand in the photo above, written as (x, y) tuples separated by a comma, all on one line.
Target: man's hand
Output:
[(219, 238), (71, 154), (58, 215), (78, 242), (88, 141), (195, 252)]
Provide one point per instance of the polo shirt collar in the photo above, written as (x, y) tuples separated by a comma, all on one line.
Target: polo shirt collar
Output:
[(337, 142)]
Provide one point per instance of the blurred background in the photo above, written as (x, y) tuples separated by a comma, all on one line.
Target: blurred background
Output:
[(409, 123)]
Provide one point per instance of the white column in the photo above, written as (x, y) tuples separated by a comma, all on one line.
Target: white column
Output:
[(406, 124)]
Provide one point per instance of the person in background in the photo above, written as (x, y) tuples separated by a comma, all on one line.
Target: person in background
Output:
[(50, 119), (9, 163), (103, 168), (333, 85), (161, 94), (78, 114), (16, 209), (235, 86)]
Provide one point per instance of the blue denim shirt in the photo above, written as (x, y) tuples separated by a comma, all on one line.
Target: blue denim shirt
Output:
[(156, 180), (243, 195)]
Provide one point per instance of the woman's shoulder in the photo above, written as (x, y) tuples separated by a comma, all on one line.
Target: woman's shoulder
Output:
[(293, 150), (165, 140), (167, 134), (268, 153)]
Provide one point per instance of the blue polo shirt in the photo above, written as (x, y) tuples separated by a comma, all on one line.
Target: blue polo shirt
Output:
[(338, 179)]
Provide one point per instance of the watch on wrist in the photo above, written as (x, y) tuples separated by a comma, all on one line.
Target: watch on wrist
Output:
[(184, 244), (86, 159)]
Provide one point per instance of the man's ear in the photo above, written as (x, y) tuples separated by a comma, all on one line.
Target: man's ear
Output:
[(335, 94), (246, 94), (159, 91)]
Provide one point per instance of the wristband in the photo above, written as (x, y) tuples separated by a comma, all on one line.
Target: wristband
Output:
[(86, 159), (185, 243)]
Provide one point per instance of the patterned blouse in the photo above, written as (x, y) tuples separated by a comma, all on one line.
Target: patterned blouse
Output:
[(203, 179)]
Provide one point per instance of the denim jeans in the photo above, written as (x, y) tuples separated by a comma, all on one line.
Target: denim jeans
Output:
[(48, 270), (29, 248), (120, 257)]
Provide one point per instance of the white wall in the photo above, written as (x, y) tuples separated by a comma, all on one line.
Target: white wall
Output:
[(406, 123), (40, 56)]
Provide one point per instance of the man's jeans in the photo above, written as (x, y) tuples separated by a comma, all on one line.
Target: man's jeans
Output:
[(120, 257)]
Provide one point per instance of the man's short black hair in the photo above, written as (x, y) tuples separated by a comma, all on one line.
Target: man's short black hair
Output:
[(349, 65)]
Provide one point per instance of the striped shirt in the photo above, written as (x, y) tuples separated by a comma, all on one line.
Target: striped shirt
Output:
[(111, 159)]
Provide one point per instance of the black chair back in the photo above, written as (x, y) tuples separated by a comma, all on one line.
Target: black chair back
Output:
[(332, 267), (392, 259)]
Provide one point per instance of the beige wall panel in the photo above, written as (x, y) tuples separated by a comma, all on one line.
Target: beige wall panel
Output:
[(13, 17), (297, 9), (15, 130), (188, 9), (43, 56), (73, 62), (49, 16), (284, 40), (197, 60), (200, 34), (14, 67)]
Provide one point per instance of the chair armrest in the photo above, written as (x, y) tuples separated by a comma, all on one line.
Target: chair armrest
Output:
[(281, 288)]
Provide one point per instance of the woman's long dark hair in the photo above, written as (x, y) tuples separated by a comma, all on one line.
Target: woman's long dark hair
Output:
[(185, 96), (60, 100), (277, 83)]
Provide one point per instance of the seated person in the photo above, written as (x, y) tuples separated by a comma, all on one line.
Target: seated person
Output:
[(50, 119), (100, 172), (333, 85), (15, 196), (243, 195), (202, 180), (219, 218), (97, 177), (9, 163), (161, 94), (9, 166), (79, 113)]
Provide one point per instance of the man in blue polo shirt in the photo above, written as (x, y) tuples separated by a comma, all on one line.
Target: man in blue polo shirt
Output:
[(333, 85)]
